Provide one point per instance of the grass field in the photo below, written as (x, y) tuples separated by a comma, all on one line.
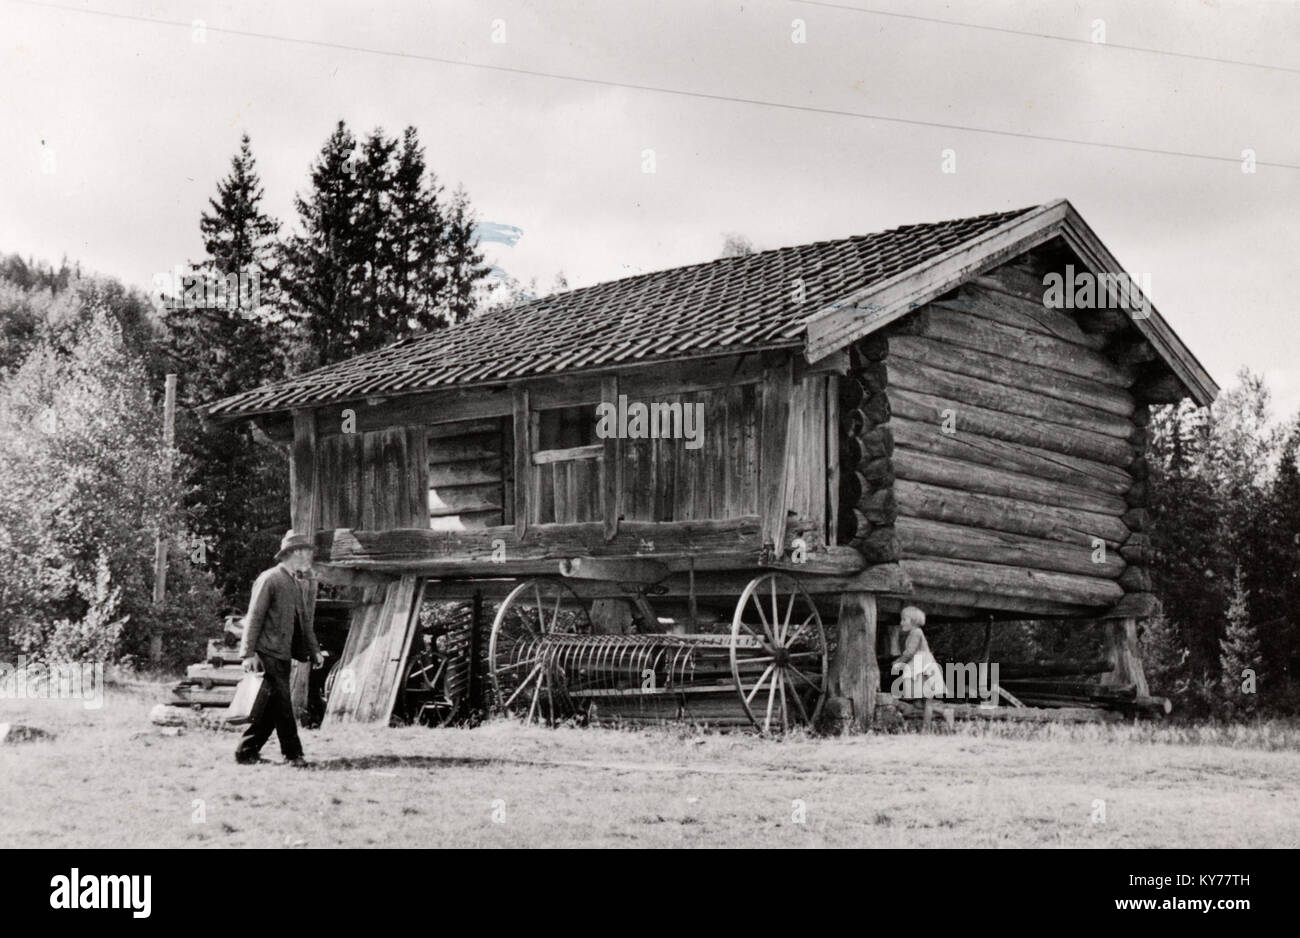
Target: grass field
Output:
[(109, 778)]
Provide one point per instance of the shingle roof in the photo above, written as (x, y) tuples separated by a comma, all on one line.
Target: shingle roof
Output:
[(731, 303)]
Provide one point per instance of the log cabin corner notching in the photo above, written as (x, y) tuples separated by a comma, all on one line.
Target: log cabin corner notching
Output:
[(891, 418)]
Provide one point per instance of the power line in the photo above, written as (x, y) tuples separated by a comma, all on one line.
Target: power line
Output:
[(658, 89), (1052, 36)]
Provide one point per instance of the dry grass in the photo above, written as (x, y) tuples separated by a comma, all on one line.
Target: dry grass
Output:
[(109, 779)]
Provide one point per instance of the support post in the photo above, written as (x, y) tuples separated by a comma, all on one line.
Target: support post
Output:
[(1124, 656), (777, 389), (611, 463), (523, 460), (855, 673)]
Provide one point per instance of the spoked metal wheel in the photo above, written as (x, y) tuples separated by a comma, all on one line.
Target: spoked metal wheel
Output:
[(779, 658), (435, 686), (528, 650)]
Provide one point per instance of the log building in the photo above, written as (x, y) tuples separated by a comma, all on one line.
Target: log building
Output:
[(894, 418)]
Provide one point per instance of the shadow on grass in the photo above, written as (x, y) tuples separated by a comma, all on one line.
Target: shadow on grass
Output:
[(354, 763)]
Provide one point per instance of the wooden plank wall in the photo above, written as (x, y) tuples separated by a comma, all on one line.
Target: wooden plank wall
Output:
[(665, 481), (805, 475), (373, 480), (1025, 504), (374, 658), (567, 490), (469, 463)]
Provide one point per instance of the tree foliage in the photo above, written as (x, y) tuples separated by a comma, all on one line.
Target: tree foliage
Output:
[(85, 487), (1226, 523), (380, 255)]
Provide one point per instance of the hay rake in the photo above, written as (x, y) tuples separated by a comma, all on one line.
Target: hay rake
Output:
[(770, 671)]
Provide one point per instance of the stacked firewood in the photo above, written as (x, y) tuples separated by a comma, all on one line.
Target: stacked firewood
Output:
[(207, 686)]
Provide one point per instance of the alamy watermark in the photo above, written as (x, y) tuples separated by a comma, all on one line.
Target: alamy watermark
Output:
[(66, 680), (195, 289), (654, 421), (1086, 290), (958, 680)]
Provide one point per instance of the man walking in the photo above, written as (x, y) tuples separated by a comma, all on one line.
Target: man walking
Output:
[(276, 631)]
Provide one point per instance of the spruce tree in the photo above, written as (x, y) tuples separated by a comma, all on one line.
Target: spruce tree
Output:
[(373, 255), (416, 229), (1240, 655), (461, 260), (235, 491), (223, 337), (320, 275)]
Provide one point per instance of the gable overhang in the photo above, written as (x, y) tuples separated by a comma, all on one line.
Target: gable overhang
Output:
[(861, 313)]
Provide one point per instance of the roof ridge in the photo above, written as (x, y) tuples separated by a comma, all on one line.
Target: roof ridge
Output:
[(788, 247)]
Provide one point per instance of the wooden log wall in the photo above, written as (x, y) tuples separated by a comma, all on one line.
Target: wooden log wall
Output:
[(996, 448), (469, 464), (867, 505)]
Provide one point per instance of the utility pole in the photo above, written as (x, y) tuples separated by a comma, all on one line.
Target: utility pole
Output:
[(160, 545)]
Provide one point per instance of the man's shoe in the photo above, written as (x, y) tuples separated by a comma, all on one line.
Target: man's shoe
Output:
[(298, 763), (249, 760)]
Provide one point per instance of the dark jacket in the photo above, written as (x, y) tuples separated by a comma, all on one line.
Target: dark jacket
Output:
[(277, 624)]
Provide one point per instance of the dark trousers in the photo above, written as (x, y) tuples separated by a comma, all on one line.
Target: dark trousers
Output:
[(273, 711)]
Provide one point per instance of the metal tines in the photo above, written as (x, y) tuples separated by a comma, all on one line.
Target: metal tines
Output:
[(618, 665)]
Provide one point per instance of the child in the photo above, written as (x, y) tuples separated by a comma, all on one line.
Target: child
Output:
[(922, 676)]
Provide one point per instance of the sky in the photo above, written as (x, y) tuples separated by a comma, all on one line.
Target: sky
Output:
[(114, 130)]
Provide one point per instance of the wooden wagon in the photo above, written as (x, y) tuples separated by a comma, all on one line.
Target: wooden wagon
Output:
[(696, 493)]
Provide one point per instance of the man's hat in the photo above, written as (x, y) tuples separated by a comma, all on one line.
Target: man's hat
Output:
[(293, 541)]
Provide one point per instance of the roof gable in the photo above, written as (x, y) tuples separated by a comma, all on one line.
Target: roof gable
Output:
[(880, 303)]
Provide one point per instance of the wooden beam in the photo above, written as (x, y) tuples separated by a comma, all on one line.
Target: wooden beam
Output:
[(724, 585), (957, 506), (615, 569), (1046, 353), (302, 472), (493, 399), (919, 538), (833, 459), (1124, 655), (854, 672), (969, 446), (912, 375), (849, 318), (1010, 581), (1136, 606), (962, 415), (546, 456), (971, 477), (612, 467), (776, 391), (342, 576), (523, 460), (986, 299), (1159, 387), (1025, 375)]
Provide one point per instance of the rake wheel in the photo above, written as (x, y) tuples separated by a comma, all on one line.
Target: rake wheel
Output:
[(528, 678), (779, 657)]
